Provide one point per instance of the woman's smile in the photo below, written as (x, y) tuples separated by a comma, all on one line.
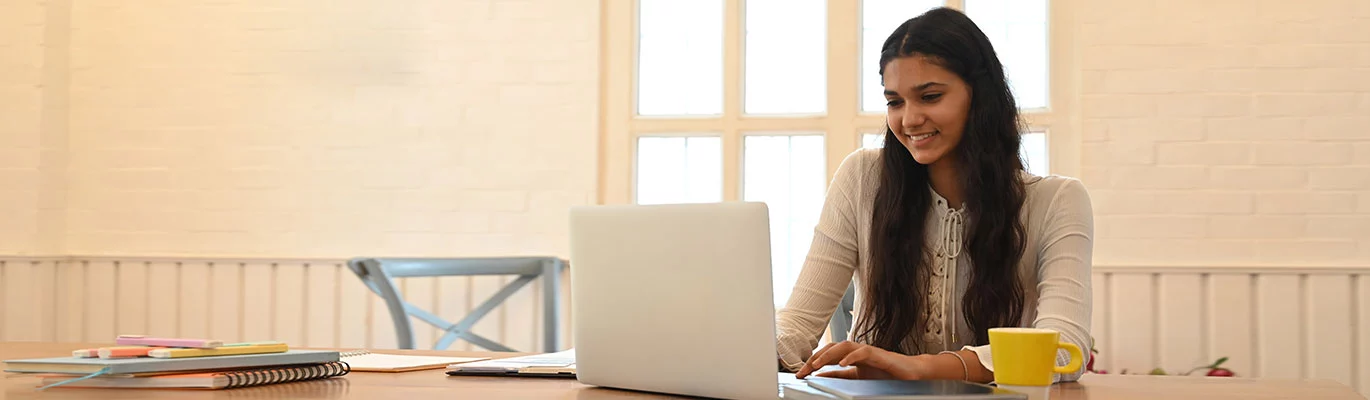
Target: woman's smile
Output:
[(923, 138)]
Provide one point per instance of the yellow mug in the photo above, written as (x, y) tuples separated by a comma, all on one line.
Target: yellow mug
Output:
[(1027, 356)]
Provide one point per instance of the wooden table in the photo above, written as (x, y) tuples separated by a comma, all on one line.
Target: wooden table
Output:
[(433, 384)]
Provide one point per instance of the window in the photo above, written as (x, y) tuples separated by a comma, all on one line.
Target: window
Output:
[(676, 37), (784, 71), (1034, 152), (872, 140), (786, 172), (677, 169), (1018, 30), (761, 100)]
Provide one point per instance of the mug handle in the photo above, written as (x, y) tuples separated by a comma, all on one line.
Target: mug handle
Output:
[(1076, 358)]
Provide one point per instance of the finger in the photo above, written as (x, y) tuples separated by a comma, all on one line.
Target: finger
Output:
[(830, 355), (880, 362), (846, 373), (806, 369), (867, 357), (822, 350), (872, 362)]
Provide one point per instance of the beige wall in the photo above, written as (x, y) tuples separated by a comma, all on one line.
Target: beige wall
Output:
[(236, 129), (33, 51), (1227, 132), (21, 70), (304, 130)]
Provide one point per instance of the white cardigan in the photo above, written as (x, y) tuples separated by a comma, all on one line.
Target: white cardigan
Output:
[(1059, 221)]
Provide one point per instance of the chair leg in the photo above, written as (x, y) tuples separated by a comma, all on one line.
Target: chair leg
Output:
[(481, 341), (382, 285), (551, 304), (463, 327), (446, 341)]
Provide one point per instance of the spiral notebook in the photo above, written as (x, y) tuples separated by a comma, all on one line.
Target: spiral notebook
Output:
[(365, 361), (212, 380)]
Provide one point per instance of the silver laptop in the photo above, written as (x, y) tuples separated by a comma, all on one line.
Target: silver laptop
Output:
[(674, 299)]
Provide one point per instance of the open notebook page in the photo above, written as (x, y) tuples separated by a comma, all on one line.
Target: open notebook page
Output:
[(374, 362)]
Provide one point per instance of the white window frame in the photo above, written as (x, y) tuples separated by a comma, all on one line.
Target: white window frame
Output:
[(842, 123)]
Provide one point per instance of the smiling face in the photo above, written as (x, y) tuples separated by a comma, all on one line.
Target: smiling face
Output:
[(927, 108)]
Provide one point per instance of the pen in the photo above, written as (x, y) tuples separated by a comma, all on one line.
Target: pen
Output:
[(251, 344), (167, 342), (95, 352), (125, 351), (221, 351), (85, 353)]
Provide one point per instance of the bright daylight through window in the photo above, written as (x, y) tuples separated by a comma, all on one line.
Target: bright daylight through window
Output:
[(727, 100)]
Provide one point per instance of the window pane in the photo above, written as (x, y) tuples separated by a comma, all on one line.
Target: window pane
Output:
[(787, 173), (872, 140), (1034, 151), (786, 69), (679, 170), (1018, 30), (680, 57), (878, 20)]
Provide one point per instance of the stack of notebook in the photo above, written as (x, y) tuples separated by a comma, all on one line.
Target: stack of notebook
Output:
[(141, 362)]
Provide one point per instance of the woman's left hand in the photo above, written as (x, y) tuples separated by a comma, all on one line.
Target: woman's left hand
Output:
[(869, 362)]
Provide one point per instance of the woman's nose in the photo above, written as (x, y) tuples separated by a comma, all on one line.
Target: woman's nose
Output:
[(914, 117)]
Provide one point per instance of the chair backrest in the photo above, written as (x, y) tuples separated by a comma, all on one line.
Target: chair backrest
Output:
[(376, 273), (412, 267)]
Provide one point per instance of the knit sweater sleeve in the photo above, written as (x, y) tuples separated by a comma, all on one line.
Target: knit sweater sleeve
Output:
[(1063, 276), (827, 270)]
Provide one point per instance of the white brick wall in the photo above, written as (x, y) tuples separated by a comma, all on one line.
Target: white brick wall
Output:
[(440, 127), (1227, 132), (21, 58), (32, 125), (426, 127)]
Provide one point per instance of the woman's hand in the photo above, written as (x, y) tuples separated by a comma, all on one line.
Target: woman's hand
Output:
[(869, 362)]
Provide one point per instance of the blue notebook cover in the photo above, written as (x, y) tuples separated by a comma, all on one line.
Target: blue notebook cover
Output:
[(73, 365), (910, 390)]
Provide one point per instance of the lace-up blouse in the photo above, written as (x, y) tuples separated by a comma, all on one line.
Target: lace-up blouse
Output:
[(1054, 269)]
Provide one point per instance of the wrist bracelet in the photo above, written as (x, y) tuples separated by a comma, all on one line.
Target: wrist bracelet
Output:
[(963, 362)]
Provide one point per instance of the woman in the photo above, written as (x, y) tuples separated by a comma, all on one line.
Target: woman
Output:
[(943, 231)]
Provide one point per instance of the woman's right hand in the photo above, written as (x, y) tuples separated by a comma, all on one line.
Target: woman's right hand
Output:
[(868, 362)]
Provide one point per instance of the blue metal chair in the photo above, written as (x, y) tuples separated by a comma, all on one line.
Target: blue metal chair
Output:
[(841, 321), (377, 274)]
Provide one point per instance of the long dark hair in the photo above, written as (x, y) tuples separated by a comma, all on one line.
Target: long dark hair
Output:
[(990, 168)]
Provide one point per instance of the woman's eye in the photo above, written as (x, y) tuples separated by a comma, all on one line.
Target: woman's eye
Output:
[(892, 103), (932, 96)]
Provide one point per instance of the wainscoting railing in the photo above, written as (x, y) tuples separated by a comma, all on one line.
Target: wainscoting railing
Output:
[(1281, 322), (317, 303)]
